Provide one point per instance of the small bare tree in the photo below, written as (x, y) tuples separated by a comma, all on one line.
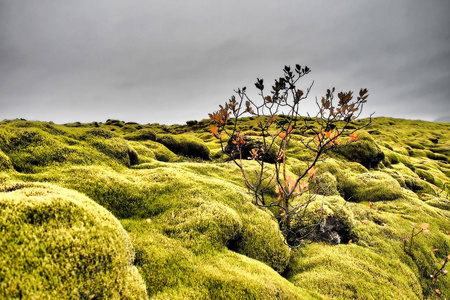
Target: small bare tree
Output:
[(278, 121)]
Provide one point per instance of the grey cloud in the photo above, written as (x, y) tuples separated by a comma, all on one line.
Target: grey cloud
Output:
[(169, 61)]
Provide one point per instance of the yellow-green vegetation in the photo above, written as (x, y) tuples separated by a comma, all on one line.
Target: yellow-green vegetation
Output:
[(57, 243), (128, 211)]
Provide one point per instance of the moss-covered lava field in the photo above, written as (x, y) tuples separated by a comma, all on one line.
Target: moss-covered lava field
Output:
[(119, 210)]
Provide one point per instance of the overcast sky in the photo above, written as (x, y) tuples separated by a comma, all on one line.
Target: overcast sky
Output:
[(171, 61)]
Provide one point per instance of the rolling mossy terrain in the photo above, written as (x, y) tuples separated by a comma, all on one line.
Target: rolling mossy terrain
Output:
[(121, 210)]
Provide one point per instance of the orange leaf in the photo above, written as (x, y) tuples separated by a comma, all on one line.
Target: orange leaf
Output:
[(424, 226), (312, 172), (215, 131), (318, 138), (303, 186), (353, 137), (282, 135)]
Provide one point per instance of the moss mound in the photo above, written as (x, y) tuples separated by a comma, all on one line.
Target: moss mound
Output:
[(141, 135), (116, 148), (374, 186), (59, 244), (364, 151), (185, 145), (368, 275), (179, 273), (329, 219)]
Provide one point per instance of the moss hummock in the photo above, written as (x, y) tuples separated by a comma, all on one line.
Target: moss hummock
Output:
[(57, 243)]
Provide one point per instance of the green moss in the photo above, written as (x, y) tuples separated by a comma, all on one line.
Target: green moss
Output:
[(185, 145), (415, 145), (113, 122), (178, 273), (141, 135), (374, 186), (368, 275), (209, 225), (427, 176), (98, 132), (204, 237), (364, 151), (31, 148), (391, 158), (5, 162), (439, 202), (327, 219), (161, 152), (261, 239), (59, 244), (117, 149), (324, 184)]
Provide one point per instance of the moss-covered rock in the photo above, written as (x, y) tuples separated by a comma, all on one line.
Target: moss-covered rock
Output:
[(327, 219), (31, 148), (364, 151), (374, 186), (368, 275), (116, 148), (185, 145), (261, 239), (98, 132), (209, 225), (161, 152), (179, 273), (141, 135), (324, 183), (56, 243)]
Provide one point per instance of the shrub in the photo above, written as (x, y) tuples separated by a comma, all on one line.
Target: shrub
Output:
[(57, 243), (191, 122), (276, 131)]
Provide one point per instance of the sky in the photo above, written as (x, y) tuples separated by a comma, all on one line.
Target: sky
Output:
[(169, 61)]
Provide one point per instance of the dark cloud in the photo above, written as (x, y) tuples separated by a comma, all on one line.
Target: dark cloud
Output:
[(170, 61)]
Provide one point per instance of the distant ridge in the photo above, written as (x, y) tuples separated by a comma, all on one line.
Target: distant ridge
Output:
[(443, 120)]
